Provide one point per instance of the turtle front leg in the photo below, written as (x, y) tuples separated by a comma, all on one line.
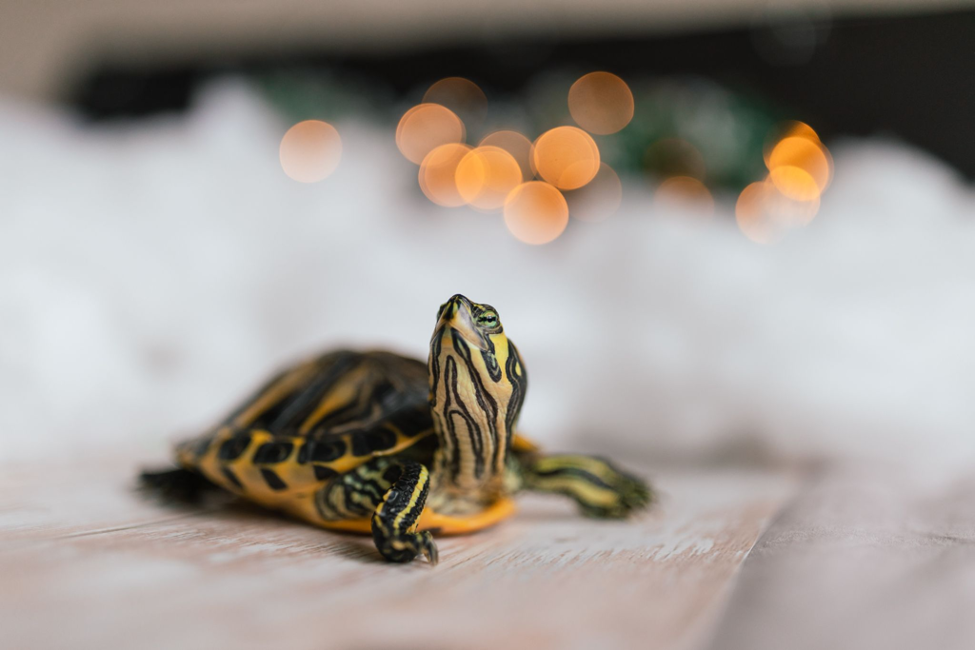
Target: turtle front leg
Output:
[(395, 519), (598, 487), (392, 493)]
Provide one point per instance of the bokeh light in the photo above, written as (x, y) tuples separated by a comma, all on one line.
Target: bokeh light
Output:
[(800, 170), (674, 157), (462, 96), (566, 157), (808, 155), (792, 213), (486, 176), (687, 192), (437, 174), (426, 126), (598, 199), (795, 183), (787, 129), (601, 103), (516, 144), (536, 213), (310, 151), (754, 217), (764, 214)]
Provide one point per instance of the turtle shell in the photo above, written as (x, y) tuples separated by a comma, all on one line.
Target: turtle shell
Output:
[(315, 420)]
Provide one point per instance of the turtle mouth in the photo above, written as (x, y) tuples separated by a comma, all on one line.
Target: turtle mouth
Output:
[(457, 316)]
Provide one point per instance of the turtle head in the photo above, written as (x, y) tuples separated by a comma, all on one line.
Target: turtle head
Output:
[(477, 326), (477, 387)]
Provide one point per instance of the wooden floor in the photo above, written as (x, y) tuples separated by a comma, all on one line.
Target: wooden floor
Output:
[(88, 562)]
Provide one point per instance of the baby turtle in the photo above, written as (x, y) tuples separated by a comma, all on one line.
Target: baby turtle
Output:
[(375, 442)]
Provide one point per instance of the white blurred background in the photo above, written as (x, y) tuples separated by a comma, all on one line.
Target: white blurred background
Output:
[(154, 268), (151, 273)]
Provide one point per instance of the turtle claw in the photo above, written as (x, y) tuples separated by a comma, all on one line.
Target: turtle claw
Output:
[(405, 548), (428, 548), (633, 494)]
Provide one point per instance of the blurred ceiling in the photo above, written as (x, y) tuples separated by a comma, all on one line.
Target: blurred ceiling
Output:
[(46, 46)]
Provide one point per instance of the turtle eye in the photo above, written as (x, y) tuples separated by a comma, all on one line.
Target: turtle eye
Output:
[(441, 310), (488, 319)]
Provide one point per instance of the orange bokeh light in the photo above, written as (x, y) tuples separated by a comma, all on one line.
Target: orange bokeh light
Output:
[(437, 174), (426, 126), (601, 103), (764, 215), (310, 151), (516, 144), (536, 213), (788, 129), (753, 216), (486, 175), (597, 200), (566, 157), (795, 183), (686, 191), (812, 157), (800, 170), (792, 213), (462, 96)]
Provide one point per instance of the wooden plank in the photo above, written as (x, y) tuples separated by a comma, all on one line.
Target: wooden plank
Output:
[(886, 561), (88, 562)]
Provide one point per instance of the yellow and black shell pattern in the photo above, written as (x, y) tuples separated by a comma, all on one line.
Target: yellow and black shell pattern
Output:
[(314, 421)]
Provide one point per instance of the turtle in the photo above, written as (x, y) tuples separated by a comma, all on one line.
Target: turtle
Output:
[(379, 443)]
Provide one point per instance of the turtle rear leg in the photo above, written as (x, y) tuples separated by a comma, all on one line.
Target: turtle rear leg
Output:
[(392, 493), (598, 487), (178, 484)]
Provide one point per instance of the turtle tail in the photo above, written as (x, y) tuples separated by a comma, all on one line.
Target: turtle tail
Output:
[(180, 485)]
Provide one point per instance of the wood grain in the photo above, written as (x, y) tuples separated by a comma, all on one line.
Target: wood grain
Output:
[(884, 560), (88, 562)]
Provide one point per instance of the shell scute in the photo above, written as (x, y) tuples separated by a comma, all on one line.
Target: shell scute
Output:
[(314, 421)]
